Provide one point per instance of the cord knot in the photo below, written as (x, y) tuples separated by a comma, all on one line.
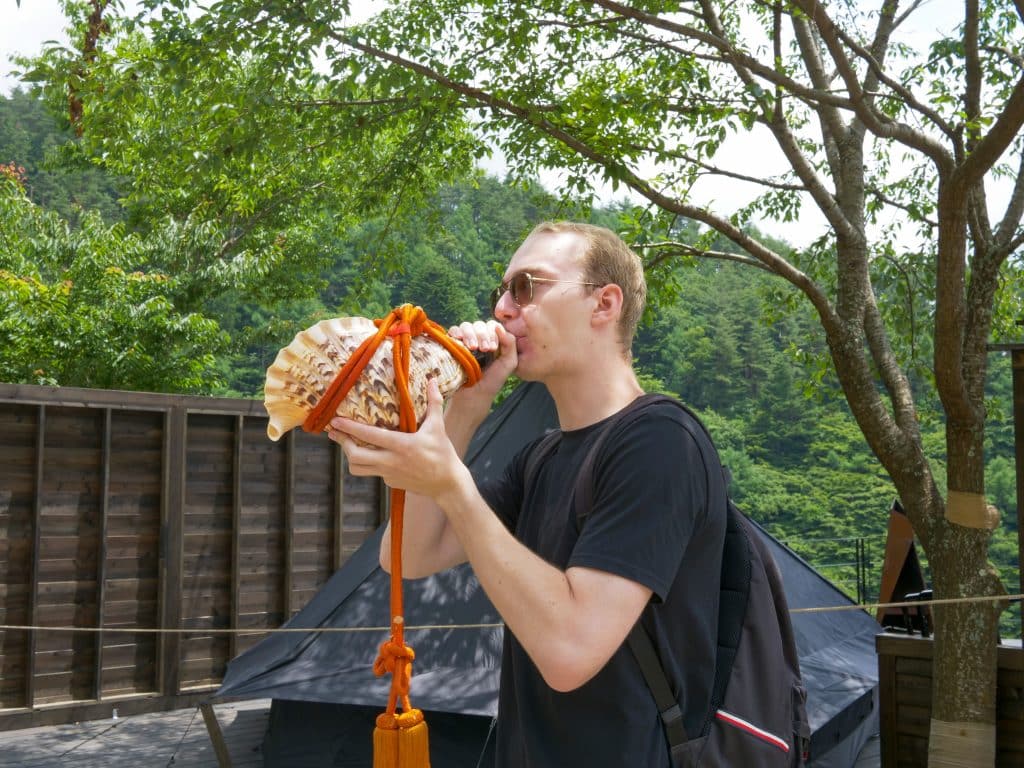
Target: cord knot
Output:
[(395, 658)]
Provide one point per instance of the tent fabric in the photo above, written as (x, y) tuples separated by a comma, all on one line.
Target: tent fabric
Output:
[(324, 691)]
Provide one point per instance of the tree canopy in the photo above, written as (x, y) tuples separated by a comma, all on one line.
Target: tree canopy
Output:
[(76, 308)]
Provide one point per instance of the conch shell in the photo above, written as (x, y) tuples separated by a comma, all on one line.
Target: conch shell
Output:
[(302, 372)]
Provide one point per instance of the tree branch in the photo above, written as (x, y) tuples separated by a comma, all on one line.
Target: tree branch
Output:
[(1015, 243), (876, 122), (1014, 210), (874, 57), (714, 170), (1012, 56), (832, 128), (896, 383), (259, 215), (756, 249), (345, 103), (96, 25), (773, 261), (787, 142), (729, 54), (980, 300), (907, 13), (972, 68), (671, 248), (877, 193), (977, 218), (988, 149)]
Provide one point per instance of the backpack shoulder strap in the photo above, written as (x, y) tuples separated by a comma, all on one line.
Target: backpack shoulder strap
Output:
[(651, 668), (584, 480), (639, 641), (583, 498), (544, 448), (732, 609)]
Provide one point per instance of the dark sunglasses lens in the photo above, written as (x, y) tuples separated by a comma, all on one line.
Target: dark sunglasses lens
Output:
[(522, 289), (496, 297)]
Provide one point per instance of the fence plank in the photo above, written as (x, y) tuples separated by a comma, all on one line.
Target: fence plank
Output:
[(101, 565), (338, 517), (236, 525), (288, 523), (171, 521), (33, 611)]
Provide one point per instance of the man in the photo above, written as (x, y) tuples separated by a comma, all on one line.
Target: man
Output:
[(569, 593)]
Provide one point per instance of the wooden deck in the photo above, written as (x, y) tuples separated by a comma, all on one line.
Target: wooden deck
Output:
[(176, 739)]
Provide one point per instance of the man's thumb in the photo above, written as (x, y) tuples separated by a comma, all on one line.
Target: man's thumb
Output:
[(435, 402)]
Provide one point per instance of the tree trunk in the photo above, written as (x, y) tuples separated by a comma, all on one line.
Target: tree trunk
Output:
[(962, 730)]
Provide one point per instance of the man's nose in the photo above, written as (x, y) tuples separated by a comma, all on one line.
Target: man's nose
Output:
[(505, 308)]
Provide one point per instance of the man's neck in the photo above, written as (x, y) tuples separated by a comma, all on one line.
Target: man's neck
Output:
[(581, 403)]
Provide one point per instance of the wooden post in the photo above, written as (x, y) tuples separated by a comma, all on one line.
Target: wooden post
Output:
[(288, 524), (1017, 357), (220, 746), (1017, 363), (383, 502), (171, 548), (33, 587), (886, 705), (236, 537), (101, 564), (338, 470)]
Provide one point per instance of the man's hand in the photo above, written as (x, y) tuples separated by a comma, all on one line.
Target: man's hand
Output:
[(487, 336), (424, 462)]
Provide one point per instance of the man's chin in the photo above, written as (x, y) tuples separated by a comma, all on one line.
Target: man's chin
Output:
[(523, 371)]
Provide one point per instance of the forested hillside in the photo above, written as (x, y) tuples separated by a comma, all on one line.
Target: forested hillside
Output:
[(57, 181), (727, 343)]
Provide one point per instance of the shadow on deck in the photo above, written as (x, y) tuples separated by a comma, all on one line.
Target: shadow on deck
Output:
[(176, 739)]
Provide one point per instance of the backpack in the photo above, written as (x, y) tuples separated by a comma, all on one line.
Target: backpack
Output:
[(757, 715)]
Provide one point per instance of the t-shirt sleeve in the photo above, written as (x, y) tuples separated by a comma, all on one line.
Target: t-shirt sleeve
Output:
[(650, 491)]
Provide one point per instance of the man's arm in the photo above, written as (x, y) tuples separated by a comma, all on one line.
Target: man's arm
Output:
[(429, 543), (569, 622)]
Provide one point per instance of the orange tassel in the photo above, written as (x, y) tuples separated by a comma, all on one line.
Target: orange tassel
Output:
[(400, 741)]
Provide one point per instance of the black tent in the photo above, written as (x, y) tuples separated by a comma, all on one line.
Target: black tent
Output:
[(325, 695)]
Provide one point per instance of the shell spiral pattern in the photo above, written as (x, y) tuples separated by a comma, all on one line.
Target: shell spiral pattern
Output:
[(300, 375)]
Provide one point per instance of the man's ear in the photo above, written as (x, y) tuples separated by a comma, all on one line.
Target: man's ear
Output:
[(609, 305)]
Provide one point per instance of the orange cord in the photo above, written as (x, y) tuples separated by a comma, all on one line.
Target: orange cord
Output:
[(401, 324)]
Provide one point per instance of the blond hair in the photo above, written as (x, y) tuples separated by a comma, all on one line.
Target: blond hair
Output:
[(607, 260)]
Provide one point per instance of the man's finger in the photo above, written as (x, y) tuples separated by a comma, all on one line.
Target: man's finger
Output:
[(378, 436)]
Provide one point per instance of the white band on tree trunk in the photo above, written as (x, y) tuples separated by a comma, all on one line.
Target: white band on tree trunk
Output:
[(971, 511), (961, 745)]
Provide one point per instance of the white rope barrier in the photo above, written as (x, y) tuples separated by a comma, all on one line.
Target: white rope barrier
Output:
[(870, 607)]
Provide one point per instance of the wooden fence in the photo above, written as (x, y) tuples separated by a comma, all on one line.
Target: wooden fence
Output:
[(134, 510), (905, 701)]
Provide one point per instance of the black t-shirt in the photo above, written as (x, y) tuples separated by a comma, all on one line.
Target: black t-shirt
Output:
[(658, 518)]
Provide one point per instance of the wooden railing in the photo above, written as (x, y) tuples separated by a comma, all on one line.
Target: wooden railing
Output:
[(905, 701), (126, 510)]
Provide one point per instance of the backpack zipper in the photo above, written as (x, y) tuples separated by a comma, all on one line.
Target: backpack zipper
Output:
[(753, 730)]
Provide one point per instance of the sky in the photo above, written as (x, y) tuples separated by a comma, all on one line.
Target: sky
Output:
[(24, 30)]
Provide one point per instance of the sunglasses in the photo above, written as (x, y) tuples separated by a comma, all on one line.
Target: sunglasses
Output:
[(520, 285)]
